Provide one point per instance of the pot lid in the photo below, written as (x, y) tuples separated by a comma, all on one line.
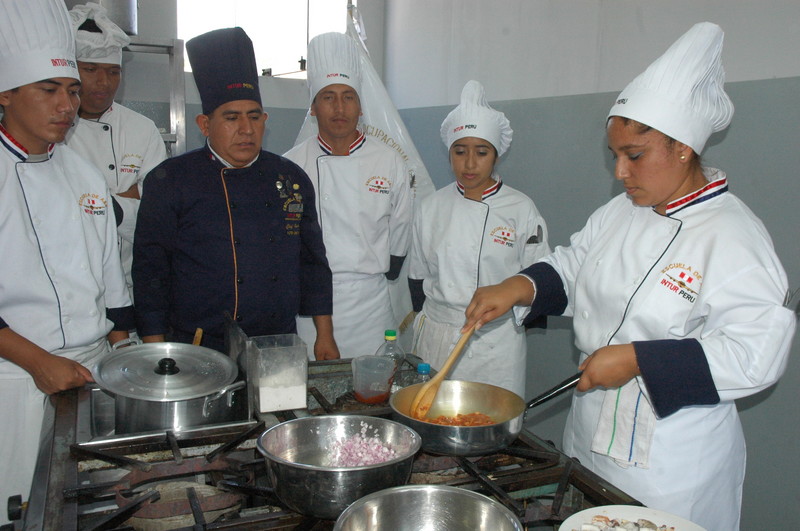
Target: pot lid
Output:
[(164, 372)]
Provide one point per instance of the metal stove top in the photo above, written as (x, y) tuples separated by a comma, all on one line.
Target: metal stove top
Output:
[(87, 477)]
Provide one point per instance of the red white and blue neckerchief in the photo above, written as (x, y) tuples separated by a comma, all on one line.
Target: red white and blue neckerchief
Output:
[(357, 144), (489, 192), (17, 149), (712, 189)]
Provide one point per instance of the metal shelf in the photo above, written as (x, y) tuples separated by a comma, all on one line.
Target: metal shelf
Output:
[(176, 138)]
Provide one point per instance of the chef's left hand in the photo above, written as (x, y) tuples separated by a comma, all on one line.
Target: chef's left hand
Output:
[(325, 348), (610, 367)]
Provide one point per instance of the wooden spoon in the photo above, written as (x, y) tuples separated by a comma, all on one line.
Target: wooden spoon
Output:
[(425, 396)]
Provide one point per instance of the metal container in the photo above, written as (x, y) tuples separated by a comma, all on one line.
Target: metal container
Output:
[(123, 13), (159, 386), (427, 508), (507, 409), (298, 453)]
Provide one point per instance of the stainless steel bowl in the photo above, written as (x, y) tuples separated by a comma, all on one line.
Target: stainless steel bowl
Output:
[(507, 409), (428, 508), (298, 453)]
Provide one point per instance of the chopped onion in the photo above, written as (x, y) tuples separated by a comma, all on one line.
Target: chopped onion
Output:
[(361, 450)]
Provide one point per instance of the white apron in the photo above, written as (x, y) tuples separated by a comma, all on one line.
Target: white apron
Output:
[(361, 314), (22, 410), (493, 355)]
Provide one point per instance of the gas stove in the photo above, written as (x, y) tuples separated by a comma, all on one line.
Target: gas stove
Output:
[(213, 477)]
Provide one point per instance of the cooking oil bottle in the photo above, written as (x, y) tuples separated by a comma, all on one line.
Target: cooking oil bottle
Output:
[(391, 348)]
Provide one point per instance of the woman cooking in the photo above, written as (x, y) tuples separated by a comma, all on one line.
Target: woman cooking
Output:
[(474, 232), (676, 296)]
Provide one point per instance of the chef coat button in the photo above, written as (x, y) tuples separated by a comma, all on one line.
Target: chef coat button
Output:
[(272, 239), (239, 318), (240, 280), (67, 319), (84, 266), (105, 128), (232, 204), (110, 166), (273, 315), (237, 241), (585, 314), (326, 197), (93, 313), (274, 278), (267, 204)]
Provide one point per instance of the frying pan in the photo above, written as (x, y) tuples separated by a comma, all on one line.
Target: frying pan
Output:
[(455, 397)]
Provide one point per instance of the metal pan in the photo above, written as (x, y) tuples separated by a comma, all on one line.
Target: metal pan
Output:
[(458, 397)]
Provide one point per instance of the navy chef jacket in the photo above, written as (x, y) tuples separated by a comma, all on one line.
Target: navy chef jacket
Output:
[(206, 231)]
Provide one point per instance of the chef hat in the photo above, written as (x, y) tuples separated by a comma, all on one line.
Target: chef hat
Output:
[(681, 94), (224, 67), (333, 58), (36, 42), (474, 117), (104, 46)]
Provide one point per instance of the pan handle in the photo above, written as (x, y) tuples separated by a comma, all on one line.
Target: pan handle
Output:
[(566, 385)]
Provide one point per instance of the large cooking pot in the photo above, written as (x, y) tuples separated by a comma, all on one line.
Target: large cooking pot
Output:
[(427, 507), (455, 397), (168, 386), (298, 453)]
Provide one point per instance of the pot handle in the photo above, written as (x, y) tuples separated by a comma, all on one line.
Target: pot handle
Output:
[(228, 389), (125, 342), (553, 392)]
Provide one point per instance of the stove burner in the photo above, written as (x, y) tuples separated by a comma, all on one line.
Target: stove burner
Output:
[(215, 474)]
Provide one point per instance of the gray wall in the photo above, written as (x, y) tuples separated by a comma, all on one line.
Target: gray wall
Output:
[(559, 158)]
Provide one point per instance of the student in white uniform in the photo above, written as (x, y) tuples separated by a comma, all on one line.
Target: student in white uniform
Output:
[(364, 200), (474, 232), (121, 143), (62, 289), (676, 295)]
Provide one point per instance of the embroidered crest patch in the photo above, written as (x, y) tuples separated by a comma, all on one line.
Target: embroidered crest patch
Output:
[(379, 185), (682, 280), (131, 163), (93, 204), (505, 236)]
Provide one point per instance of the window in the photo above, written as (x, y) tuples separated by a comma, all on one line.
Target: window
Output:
[(280, 29)]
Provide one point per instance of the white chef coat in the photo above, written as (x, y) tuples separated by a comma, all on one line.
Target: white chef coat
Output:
[(62, 272), (124, 146), (457, 246), (364, 202), (706, 271)]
